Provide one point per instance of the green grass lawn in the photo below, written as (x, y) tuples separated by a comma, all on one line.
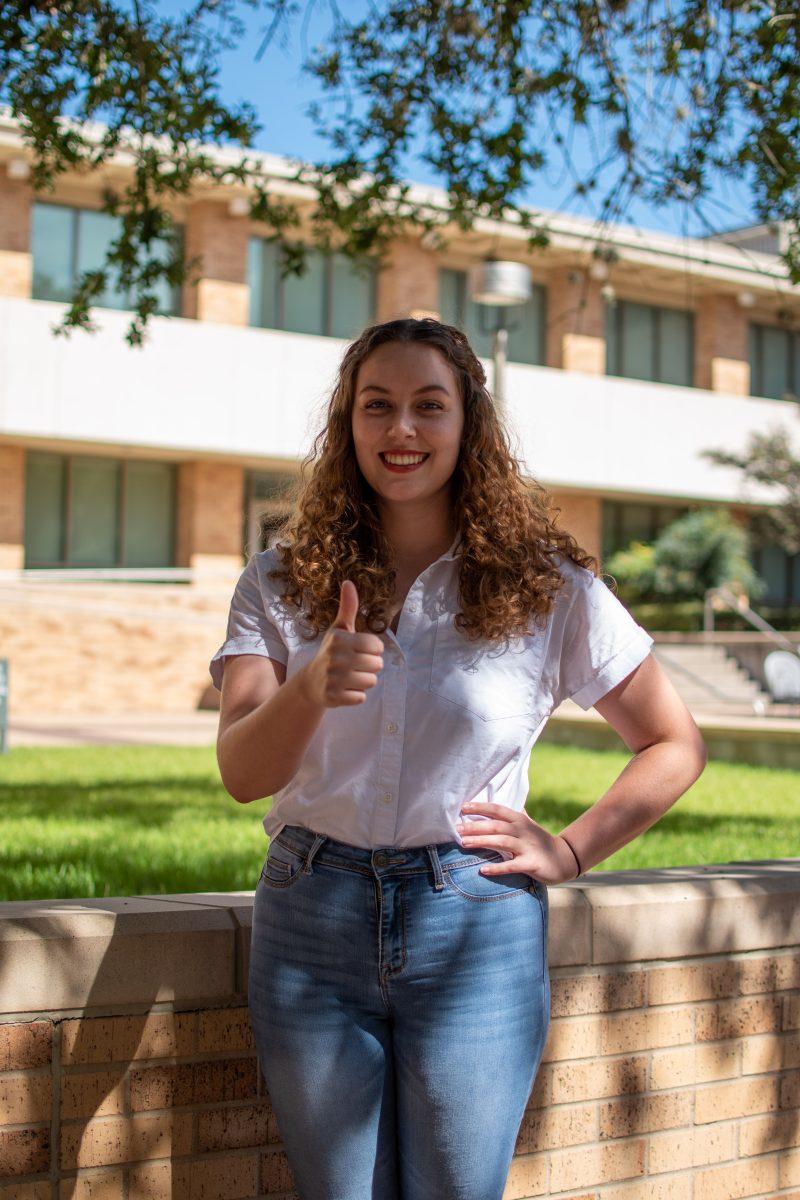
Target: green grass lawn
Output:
[(127, 821)]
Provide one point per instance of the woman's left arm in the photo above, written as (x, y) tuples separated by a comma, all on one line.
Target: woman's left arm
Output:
[(669, 755)]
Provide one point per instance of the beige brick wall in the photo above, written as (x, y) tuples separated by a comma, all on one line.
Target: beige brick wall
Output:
[(575, 337), (125, 647), (582, 516), (408, 283), (671, 1067), (122, 648), (219, 240), (12, 506), (721, 359), (209, 519), (16, 199)]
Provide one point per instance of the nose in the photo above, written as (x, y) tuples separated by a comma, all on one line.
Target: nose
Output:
[(403, 425)]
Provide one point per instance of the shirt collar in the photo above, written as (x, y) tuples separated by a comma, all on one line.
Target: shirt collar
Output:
[(454, 550)]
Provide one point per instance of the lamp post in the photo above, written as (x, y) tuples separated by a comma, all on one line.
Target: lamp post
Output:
[(499, 284)]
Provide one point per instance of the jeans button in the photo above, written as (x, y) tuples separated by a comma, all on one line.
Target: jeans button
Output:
[(381, 859)]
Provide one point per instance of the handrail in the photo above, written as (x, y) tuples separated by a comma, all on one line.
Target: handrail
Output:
[(740, 605)]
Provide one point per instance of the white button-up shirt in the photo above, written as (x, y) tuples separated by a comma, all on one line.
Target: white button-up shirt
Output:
[(448, 720)]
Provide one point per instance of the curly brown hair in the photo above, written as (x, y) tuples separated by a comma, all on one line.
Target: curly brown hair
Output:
[(509, 541)]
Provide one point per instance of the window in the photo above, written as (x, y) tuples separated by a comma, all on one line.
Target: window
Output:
[(267, 502), (625, 522), (525, 340), (89, 511), (67, 241), (644, 341), (334, 297), (780, 570), (774, 362)]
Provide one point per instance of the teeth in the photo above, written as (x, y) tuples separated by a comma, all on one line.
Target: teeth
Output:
[(404, 460)]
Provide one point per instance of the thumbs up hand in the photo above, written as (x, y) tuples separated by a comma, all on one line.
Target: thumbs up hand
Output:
[(347, 663)]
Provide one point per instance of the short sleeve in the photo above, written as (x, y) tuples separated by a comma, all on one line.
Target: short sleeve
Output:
[(250, 629), (601, 643)]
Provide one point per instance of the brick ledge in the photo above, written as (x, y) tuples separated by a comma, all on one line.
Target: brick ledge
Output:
[(89, 954)]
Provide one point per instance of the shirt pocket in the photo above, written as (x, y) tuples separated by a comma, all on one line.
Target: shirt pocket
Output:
[(490, 681)]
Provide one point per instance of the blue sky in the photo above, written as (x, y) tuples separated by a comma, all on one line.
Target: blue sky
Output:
[(279, 90)]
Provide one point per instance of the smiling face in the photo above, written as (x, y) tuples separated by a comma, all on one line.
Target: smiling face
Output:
[(407, 402)]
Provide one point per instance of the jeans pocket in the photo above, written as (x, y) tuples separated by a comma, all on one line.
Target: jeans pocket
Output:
[(283, 865), (468, 882)]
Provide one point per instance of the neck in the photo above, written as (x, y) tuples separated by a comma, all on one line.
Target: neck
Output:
[(417, 535)]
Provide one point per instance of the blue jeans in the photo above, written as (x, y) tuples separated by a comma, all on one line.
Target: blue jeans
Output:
[(400, 1003)]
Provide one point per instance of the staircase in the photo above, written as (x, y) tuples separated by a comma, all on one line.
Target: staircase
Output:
[(707, 678)]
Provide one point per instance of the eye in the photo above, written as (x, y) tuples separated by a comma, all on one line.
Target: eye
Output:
[(435, 403)]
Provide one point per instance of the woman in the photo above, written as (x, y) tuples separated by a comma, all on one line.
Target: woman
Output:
[(388, 667)]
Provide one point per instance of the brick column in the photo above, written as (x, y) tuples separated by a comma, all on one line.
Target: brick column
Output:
[(408, 283), (721, 359), (16, 267), (575, 338), (12, 507), (210, 516), (582, 516), (221, 293)]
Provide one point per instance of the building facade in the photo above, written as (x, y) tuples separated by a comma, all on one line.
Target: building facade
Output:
[(623, 367)]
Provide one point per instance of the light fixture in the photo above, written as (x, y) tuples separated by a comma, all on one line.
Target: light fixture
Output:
[(18, 168), (239, 206), (500, 283), (746, 299), (599, 270)]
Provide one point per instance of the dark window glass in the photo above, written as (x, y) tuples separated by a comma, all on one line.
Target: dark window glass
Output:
[(525, 340), (148, 513), (625, 522), (645, 341), (675, 340), (90, 511), (352, 297), (304, 297), (94, 512), (334, 297), (96, 232), (44, 509), (780, 570), (66, 241), (774, 362), (53, 251), (637, 341)]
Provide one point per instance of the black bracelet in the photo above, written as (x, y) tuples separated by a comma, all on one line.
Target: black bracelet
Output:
[(577, 860)]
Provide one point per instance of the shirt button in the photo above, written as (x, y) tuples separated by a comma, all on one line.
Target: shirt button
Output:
[(387, 797), (391, 727), (412, 608)]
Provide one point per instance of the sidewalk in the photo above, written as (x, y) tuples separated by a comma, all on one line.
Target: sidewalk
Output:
[(118, 729), (200, 728)]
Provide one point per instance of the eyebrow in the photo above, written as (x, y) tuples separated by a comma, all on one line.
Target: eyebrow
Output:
[(429, 387)]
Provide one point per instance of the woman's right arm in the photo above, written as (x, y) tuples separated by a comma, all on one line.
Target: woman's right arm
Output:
[(266, 721), (265, 726)]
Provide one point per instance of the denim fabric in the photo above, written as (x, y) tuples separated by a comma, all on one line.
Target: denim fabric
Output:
[(400, 1002)]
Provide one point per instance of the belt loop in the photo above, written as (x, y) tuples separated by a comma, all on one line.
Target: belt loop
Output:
[(438, 877), (315, 845)]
